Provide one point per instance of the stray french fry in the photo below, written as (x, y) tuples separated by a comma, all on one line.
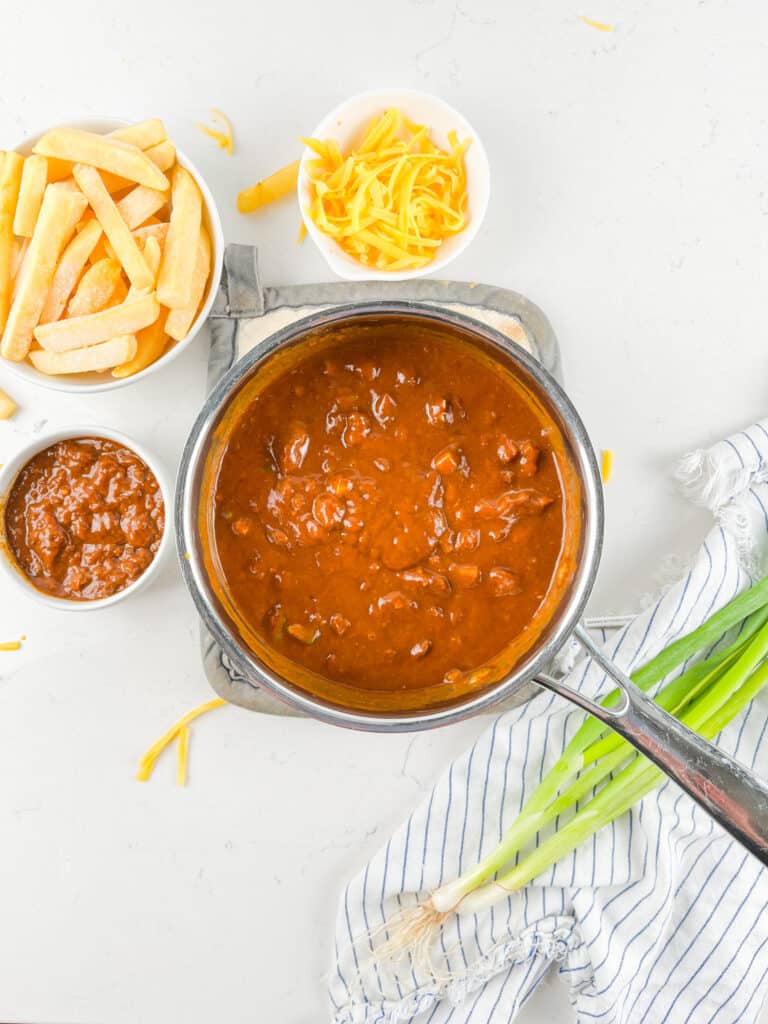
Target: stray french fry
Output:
[(117, 231), (59, 214), (94, 359), (100, 151), (174, 282), (144, 134), (71, 264), (277, 185), (140, 203), (158, 231), (96, 288), (7, 406), (78, 332), (180, 320), (11, 165), (34, 178), (150, 343), (163, 154)]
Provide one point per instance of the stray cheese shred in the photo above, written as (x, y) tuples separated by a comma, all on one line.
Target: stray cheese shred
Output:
[(601, 26), (11, 645), (222, 136), (391, 202), (180, 731), (183, 751), (606, 465)]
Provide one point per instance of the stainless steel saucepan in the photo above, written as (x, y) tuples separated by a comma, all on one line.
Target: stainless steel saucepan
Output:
[(723, 787)]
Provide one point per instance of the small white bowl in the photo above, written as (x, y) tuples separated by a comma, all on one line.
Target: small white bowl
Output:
[(344, 125), (83, 382), (11, 470)]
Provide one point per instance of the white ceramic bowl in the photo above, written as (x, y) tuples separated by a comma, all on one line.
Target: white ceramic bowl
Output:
[(344, 125), (85, 382), (11, 470)]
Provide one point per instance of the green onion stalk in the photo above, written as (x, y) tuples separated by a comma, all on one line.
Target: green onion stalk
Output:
[(705, 697)]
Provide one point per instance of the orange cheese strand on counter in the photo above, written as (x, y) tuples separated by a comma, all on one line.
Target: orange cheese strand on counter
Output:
[(180, 730), (223, 139), (606, 465), (391, 202)]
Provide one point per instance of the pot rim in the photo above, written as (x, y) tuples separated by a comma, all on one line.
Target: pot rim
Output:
[(260, 675)]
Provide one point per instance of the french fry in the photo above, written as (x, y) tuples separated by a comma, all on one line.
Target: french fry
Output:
[(7, 406), (153, 253), (158, 231), (20, 261), (117, 231), (150, 344), (59, 214), (34, 178), (18, 252), (140, 203), (86, 219), (277, 185), (180, 320), (94, 359), (163, 154), (58, 170), (144, 134), (78, 332), (120, 294), (11, 165), (174, 282), (103, 251), (96, 288), (104, 153), (71, 264)]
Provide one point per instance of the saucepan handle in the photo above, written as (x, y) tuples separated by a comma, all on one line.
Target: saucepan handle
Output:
[(731, 794)]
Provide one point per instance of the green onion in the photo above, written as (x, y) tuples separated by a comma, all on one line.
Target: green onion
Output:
[(638, 779), (705, 697)]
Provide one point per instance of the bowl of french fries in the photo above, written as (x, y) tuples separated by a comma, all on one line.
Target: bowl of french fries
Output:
[(111, 250)]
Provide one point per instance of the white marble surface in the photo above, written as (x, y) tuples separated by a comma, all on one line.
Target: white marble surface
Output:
[(629, 200)]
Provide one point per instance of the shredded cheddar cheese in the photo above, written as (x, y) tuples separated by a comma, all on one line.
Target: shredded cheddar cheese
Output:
[(11, 645), (180, 730), (224, 139), (302, 233), (183, 752), (391, 202), (601, 26), (606, 465)]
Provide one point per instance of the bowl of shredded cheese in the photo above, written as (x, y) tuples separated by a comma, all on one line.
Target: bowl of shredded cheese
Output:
[(392, 185)]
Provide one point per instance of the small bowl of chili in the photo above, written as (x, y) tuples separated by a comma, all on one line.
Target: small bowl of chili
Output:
[(84, 517)]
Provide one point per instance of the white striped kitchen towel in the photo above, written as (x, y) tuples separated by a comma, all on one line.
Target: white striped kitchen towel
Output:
[(660, 917)]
